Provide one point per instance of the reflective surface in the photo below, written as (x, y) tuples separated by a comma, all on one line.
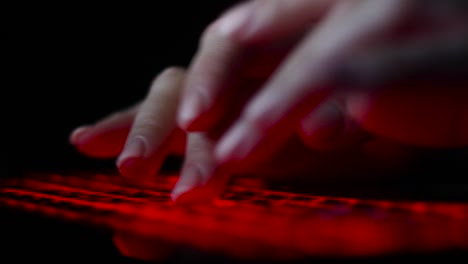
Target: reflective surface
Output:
[(246, 221)]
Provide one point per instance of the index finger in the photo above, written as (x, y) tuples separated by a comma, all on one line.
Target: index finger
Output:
[(303, 80), (224, 49), (443, 57), (154, 128)]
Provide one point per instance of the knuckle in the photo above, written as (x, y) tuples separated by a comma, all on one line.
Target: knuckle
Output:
[(166, 83), (147, 124), (169, 74), (173, 71), (212, 36), (208, 33)]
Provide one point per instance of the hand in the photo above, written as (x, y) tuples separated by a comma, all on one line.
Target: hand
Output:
[(144, 134), (300, 51), (333, 125)]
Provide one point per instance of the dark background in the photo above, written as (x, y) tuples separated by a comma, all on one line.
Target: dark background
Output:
[(71, 65)]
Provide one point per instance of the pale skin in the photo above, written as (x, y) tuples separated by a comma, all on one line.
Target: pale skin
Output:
[(266, 72)]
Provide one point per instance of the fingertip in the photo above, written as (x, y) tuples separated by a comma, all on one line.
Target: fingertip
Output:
[(94, 143), (138, 168), (77, 135), (130, 161), (237, 143), (190, 124), (185, 115), (178, 191), (127, 167), (135, 147), (190, 178), (190, 116), (201, 187)]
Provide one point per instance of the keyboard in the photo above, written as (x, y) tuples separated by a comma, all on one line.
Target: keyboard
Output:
[(247, 221)]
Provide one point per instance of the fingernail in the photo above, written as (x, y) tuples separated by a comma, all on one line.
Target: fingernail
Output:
[(77, 134), (189, 179), (135, 148), (234, 21), (191, 108), (237, 144), (177, 192)]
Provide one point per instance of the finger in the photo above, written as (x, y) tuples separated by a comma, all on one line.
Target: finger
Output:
[(257, 21), (199, 180), (412, 91), (105, 138), (153, 130), (226, 47), (443, 57), (299, 83), (328, 127)]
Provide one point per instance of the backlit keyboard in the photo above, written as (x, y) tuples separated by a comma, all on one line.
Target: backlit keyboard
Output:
[(244, 221)]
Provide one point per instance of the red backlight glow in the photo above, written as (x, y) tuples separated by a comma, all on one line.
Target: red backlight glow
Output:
[(245, 222)]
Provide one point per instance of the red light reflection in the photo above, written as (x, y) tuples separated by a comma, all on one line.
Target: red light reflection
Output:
[(245, 221)]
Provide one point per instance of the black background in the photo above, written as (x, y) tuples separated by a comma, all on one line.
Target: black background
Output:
[(67, 65), (71, 65)]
